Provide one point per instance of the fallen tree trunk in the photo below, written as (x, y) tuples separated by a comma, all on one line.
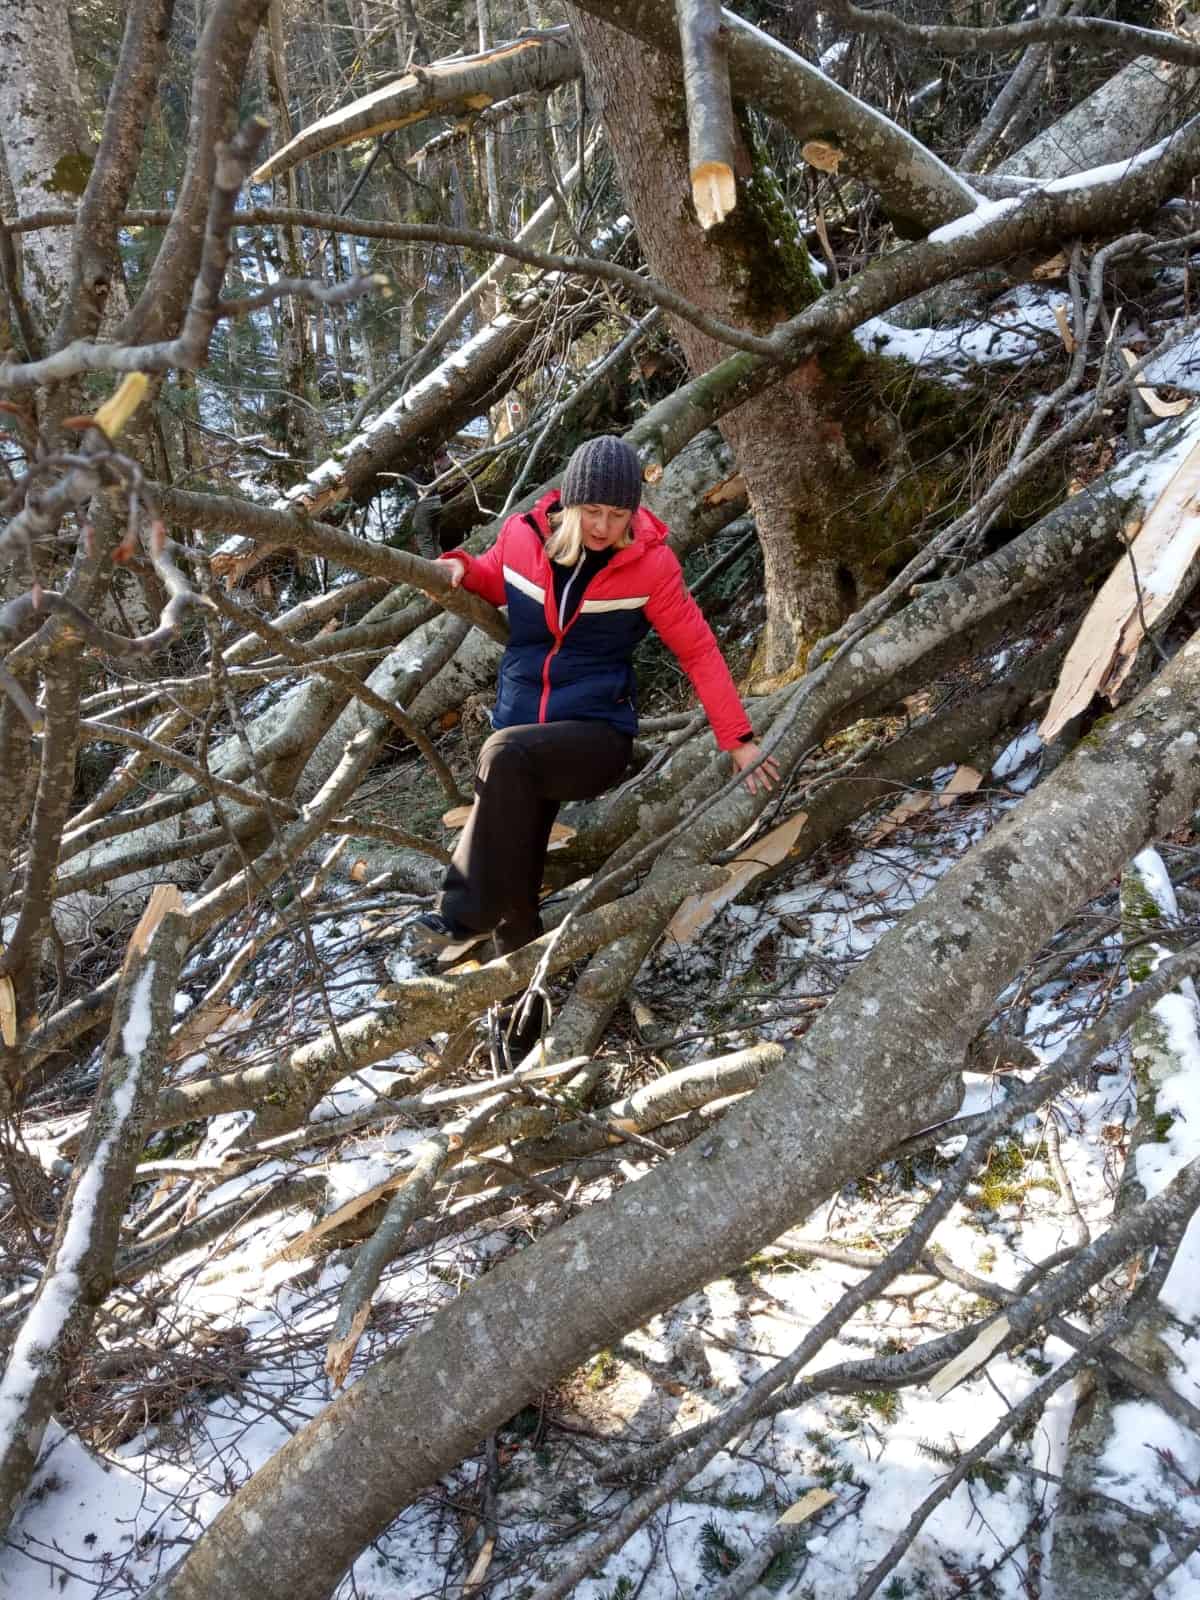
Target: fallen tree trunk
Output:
[(1137, 105), (1093, 1542), (855, 1084)]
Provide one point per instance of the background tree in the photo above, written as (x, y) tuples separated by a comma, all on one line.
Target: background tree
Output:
[(234, 369)]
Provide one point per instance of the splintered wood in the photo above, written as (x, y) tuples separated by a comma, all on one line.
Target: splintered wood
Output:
[(964, 781), (698, 910), (1144, 587)]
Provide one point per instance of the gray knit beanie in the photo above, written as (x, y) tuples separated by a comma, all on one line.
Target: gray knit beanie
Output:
[(603, 472)]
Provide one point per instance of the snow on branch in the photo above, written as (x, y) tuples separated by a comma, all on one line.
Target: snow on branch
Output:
[(538, 62), (918, 190), (79, 1271)]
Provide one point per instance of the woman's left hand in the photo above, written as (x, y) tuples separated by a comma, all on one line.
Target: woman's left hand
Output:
[(764, 777)]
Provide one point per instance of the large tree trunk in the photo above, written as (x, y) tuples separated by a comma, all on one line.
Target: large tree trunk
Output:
[(824, 458), (820, 1116)]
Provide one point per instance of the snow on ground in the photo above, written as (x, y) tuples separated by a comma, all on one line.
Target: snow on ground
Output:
[(242, 1365)]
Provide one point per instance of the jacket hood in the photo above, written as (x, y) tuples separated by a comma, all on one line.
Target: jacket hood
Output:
[(648, 530)]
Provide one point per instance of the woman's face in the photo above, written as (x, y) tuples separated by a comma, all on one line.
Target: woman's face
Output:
[(603, 526)]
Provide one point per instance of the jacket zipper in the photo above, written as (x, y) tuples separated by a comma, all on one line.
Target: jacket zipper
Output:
[(558, 630)]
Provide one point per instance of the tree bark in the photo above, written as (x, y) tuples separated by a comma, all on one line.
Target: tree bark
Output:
[(46, 148), (1138, 105), (833, 480), (821, 1115)]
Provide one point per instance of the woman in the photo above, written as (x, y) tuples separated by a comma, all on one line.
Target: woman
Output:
[(585, 575)]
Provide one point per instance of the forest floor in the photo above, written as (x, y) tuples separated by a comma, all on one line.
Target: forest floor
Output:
[(233, 1337), (201, 1373)]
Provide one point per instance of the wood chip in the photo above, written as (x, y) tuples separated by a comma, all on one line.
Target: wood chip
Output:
[(8, 1012), (731, 488), (965, 781), (1055, 267), (697, 911), (482, 1562), (199, 1026), (1064, 327), (807, 1506), (975, 1355), (899, 815), (825, 157), (1151, 397), (296, 1249)]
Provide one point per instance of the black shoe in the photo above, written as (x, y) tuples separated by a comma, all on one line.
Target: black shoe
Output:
[(432, 933)]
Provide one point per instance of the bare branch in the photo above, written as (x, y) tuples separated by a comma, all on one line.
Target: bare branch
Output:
[(1097, 33), (918, 191), (81, 1266)]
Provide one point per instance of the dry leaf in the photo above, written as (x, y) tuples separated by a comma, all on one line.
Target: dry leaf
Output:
[(825, 157), (1160, 408), (1053, 268), (560, 835), (1064, 327), (1106, 646), (698, 910), (358, 872)]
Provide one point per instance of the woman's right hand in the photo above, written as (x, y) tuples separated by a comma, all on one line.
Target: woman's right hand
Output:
[(457, 570)]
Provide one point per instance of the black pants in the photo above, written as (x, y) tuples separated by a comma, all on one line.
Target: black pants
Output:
[(524, 772)]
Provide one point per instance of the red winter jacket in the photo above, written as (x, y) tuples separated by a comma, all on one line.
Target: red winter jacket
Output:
[(585, 670)]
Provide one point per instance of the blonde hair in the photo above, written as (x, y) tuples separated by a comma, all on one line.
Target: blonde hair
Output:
[(565, 544)]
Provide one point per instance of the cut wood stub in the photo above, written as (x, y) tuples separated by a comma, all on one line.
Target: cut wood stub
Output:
[(714, 192)]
